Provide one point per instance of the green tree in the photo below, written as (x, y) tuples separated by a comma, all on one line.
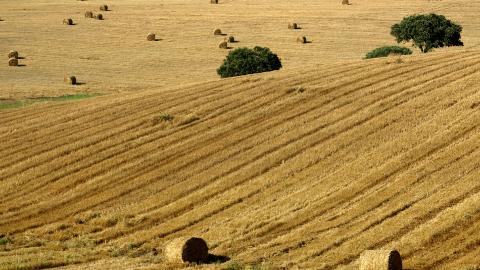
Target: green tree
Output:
[(242, 61), (428, 31)]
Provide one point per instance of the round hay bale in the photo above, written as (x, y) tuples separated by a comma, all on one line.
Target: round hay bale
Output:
[(217, 32), (68, 21), (99, 16), (13, 54), (151, 37), (380, 260), (104, 8), (186, 249), (292, 26), (223, 45), (70, 80), (231, 39), (13, 62), (89, 14), (345, 2), (213, 1), (302, 40)]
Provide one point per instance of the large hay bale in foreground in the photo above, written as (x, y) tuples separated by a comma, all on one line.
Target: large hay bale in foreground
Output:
[(302, 40), (13, 54), (151, 37), (99, 16), (104, 8), (217, 32), (68, 21), (70, 80), (13, 62), (292, 26), (223, 45), (89, 14), (186, 249), (380, 260)]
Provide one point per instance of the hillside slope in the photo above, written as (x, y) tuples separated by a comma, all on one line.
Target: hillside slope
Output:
[(305, 168)]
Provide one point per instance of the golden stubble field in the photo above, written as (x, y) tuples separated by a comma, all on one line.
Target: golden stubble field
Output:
[(283, 170), (113, 55), (304, 168)]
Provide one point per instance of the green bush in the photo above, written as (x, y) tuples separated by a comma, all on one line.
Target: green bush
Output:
[(242, 61), (428, 31), (387, 50)]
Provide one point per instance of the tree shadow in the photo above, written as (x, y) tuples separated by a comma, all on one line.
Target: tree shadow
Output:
[(212, 258)]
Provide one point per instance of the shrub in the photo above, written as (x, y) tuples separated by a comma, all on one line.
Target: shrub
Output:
[(428, 31), (242, 61), (387, 50)]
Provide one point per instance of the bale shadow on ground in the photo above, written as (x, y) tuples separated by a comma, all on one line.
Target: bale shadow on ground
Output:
[(212, 258)]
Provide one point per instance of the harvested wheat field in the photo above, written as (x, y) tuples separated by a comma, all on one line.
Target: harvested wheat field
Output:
[(166, 166), (113, 55), (303, 169)]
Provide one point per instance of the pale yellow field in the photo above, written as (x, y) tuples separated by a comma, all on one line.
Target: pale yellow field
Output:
[(113, 55), (302, 168), (386, 157)]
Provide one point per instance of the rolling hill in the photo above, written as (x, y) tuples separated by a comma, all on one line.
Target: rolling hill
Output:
[(298, 168)]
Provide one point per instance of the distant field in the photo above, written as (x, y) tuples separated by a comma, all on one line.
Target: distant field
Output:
[(304, 169), (114, 56)]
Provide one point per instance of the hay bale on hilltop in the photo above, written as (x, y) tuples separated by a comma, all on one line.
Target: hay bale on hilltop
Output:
[(380, 260), (70, 80), (292, 26), (151, 37), (13, 62), (89, 14), (68, 21), (345, 2), (302, 40), (104, 8), (99, 16), (223, 45), (186, 249), (13, 54), (217, 32)]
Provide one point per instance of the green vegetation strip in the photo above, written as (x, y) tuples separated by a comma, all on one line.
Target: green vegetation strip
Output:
[(12, 104)]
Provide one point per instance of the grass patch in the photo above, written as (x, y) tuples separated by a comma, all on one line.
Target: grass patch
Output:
[(388, 50), (5, 240), (13, 104)]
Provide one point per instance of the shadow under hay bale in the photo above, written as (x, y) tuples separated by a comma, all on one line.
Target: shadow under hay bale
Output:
[(13, 62), (13, 54), (68, 21), (186, 250), (89, 14), (380, 260), (212, 258), (104, 8)]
